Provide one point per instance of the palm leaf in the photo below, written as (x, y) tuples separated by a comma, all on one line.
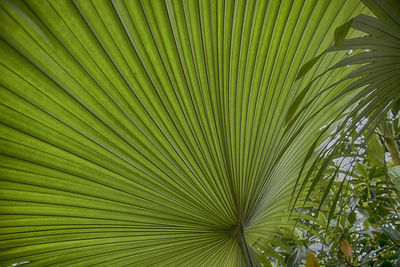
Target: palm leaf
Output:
[(373, 84), (152, 133)]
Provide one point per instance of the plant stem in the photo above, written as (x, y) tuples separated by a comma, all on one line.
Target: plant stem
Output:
[(358, 265), (390, 142), (249, 258)]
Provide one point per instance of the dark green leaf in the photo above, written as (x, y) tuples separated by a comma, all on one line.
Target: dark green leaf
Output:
[(307, 66), (393, 233), (352, 217), (341, 32)]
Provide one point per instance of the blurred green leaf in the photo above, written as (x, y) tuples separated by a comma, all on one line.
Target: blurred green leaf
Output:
[(393, 233), (396, 107), (375, 151), (394, 174), (306, 68), (387, 264), (352, 217), (341, 32)]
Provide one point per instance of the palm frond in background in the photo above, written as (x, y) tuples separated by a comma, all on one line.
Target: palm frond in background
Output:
[(373, 84)]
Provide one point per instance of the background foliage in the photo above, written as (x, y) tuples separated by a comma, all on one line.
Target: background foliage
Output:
[(363, 197)]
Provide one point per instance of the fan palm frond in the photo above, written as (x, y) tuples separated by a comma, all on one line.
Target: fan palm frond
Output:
[(152, 133)]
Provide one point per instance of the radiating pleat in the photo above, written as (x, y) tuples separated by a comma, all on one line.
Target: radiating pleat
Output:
[(141, 133)]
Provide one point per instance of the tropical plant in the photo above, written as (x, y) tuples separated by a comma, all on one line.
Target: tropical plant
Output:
[(363, 229), (374, 82), (153, 133), (366, 221)]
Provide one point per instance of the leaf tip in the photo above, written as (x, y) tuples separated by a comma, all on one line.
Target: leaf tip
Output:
[(341, 32), (346, 248), (311, 260)]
